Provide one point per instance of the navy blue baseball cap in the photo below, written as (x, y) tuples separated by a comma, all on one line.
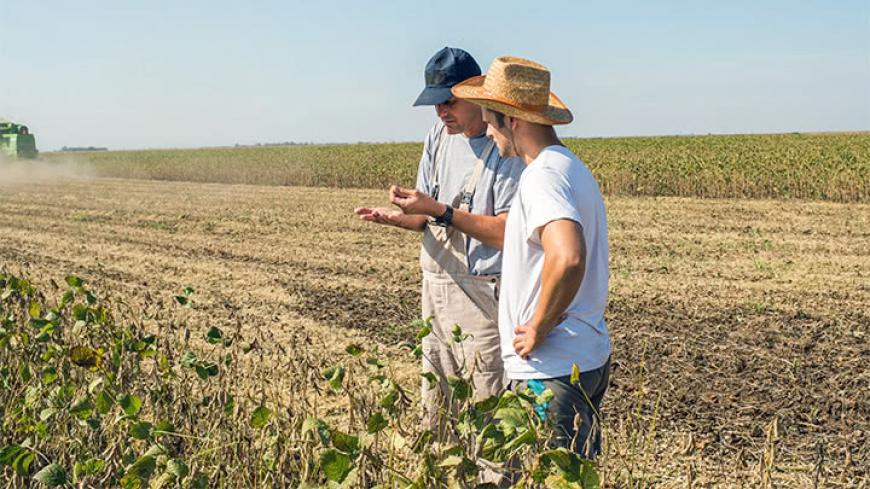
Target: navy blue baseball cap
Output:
[(447, 68)]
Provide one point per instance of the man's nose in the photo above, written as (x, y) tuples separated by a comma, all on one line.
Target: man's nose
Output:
[(490, 132), (441, 110)]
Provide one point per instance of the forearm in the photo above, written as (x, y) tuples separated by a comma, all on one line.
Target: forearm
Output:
[(487, 229), (413, 222), (560, 281)]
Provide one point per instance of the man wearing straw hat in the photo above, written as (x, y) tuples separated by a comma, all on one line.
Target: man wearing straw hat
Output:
[(554, 267), (464, 190)]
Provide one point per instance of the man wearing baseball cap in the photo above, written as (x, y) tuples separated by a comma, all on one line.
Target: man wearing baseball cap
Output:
[(464, 190), (554, 267)]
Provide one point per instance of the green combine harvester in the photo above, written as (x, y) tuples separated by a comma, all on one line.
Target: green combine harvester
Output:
[(16, 141)]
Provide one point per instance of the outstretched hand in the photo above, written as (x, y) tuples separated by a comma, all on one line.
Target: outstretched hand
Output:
[(416, 202), (380, 215)]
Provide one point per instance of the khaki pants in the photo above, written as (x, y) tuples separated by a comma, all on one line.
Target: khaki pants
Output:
[(469, 301)]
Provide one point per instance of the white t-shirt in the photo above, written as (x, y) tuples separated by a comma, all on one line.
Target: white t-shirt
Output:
[(556, 185)]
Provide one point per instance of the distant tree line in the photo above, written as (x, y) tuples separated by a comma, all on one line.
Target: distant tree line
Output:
[(83, 148)]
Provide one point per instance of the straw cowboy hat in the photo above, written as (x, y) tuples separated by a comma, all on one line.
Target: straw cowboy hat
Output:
[(518, 88)]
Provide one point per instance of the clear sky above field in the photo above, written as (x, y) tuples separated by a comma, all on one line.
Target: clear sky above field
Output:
[(195, 73)]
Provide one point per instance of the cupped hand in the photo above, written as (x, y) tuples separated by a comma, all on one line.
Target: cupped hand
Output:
[(415, 202)]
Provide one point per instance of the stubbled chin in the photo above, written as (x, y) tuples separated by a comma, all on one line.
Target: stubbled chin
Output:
[(507, 152)]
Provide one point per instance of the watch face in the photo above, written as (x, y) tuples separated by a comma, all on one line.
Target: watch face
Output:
[(435, 222)]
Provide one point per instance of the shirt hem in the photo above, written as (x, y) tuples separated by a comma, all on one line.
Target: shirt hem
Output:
[(549, 374)]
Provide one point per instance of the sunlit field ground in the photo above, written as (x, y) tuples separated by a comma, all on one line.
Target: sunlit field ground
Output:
[(740, 327)]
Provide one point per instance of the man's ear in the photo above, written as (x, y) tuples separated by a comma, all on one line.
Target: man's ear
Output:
[(512, 122)]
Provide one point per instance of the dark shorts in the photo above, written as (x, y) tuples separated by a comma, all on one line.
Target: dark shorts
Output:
[(574, 409)]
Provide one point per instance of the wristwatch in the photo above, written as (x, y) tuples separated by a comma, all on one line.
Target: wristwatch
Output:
[(445, 219)]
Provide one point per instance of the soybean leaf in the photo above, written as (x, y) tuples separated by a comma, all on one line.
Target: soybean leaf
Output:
[(47, 413), (335, 376), (164, 427), (589, 478), (82, 409), (24, 373), (451, 461), (188, 359), (141, 430), (17, 457), (86, 357), (260, 417), (460, 387), (431, 380), (457, 334), (177, 467), (131, 404), (512, 418), (487, 404), (201, 371), (346, 443), (569, 464), (51, 475), (374, 364), (139, 473), (157, 450), (49, 375), (90, 467), (66, 298), (199, 481), (22, 462), (34, 310), (74, 281), (103, 402), (525, 438), (376, 422), (424, 331), (391, 395), (335, 464), (80, 312), (230, 405), (318, 427), (214, 335), (10, 453)]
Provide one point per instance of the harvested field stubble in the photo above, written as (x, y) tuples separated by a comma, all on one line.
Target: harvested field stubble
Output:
[(729, 318), (832, 167)]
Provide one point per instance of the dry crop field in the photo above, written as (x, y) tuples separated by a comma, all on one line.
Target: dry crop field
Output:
[(828, 166), (260, 331), (740, 327)]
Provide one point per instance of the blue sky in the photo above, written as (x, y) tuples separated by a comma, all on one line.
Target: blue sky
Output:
[(138, 74)]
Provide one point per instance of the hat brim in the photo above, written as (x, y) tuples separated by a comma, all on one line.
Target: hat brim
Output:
[(555, 113), (433, 96)]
